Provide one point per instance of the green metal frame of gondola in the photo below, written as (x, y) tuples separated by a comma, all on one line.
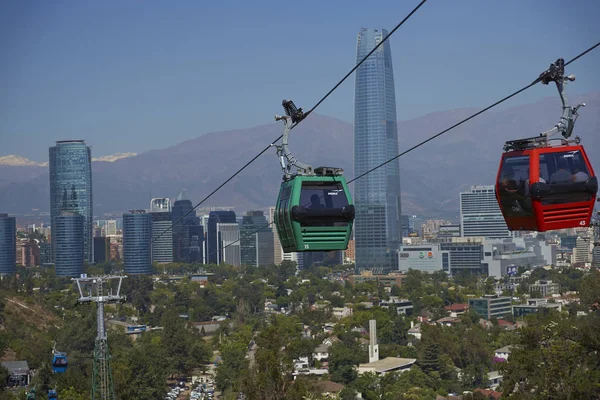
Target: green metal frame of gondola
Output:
[(301, 229)]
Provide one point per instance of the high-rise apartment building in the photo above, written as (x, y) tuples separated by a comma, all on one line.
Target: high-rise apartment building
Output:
[(256, 240), (71, 191), (111, 227), (69, 243), (377, 226), (480, 214), (162, 236), (8, 244), (137, 234)]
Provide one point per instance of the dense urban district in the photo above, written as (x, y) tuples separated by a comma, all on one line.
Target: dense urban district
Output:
[(328, 294), (276, 332)]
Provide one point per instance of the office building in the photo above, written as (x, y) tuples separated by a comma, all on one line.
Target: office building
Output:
[(582, 253), (188, 234), (162, 235), (389, 280), (69, 243), (490, 306), (70, 170), (461, 256), (137, 234), (215, 217), (110, 229), (377, 226), (421, 257), (101, 249), (480, 214), (228, 236), (405, 222), (256, 242), (8, 244), (46, 254), (545, 287)]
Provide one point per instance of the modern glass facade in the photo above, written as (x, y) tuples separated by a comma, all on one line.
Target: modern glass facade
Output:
[(228, 236), (8, 244), (256, 240), (461, 257), (480, 214), (137, 234), (162, 237), (71, 188), (491, 306), (69, 251), (377, 227), (101, 249), (188, 234), (213, 248)]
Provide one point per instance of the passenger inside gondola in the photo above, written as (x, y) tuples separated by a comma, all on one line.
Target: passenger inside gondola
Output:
[(580, 175), (316, 196), (568, 175), (514, 193), (315, 202)]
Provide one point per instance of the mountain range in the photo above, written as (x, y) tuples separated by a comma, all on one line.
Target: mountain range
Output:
[(432, 176)]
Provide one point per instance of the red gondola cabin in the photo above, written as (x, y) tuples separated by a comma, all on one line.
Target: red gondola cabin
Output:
[(540, 187)]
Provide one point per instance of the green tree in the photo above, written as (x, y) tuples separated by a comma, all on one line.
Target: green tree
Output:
[(233, 365), (566, 347), (72, 394), (140, 374), (4, 374), (344, 356), (272, 376)]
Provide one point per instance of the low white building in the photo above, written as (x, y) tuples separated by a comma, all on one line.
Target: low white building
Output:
[(503, 352), (388, 364)]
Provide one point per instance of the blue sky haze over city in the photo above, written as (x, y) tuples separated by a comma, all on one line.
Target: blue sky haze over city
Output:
[(135, 76)]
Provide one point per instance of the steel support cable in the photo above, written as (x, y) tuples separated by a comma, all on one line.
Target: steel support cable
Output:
[(468, 118), (432, 137), (442, 132), (276, 140)]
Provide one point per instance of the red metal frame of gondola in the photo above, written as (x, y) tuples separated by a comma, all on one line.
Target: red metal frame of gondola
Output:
[(550, 216), (535, 216)]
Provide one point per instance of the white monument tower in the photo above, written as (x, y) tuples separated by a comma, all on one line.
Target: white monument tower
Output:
[(373, 346)]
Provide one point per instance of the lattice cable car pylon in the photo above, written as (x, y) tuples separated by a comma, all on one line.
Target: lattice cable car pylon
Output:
[(102, 380)]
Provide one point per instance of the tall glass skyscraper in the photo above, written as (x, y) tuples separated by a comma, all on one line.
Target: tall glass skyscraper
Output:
[(8, 244), (137, 234), (377, 227), (188, 234), (67, 229), (162, 236), (71, 189)]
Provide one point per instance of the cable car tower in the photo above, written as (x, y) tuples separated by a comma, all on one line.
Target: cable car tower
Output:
[(91, 290)]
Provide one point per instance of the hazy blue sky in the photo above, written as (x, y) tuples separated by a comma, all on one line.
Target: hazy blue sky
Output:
[(137, 75)]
